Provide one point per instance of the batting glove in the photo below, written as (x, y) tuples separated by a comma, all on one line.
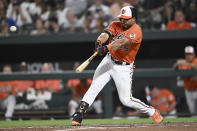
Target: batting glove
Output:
[(102, 50), (97, 43)]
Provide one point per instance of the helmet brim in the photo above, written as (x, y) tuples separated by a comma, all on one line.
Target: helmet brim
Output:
[(124, 17)]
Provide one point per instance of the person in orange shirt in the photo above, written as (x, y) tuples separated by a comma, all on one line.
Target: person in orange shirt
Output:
[(8, 94), (162, 99), (50, 85), (190, 83), (121, 41), (179, 22)]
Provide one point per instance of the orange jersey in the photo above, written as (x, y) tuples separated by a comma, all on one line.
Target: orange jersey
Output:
[(6, 88), (134, 34), (172, 25), (81, 88), (46, 84), (73, 82), (23, 85), (190, 83), (163, 100)]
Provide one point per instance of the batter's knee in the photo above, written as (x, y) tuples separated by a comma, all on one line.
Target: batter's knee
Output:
[(127, 102)]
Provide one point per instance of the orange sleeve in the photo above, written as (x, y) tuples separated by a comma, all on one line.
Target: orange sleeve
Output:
[(111, 28)]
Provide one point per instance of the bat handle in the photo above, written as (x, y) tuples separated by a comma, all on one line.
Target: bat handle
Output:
[(95, 53)]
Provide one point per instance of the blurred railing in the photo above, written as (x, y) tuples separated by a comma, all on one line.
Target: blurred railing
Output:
[(107, 92), (89, 37)]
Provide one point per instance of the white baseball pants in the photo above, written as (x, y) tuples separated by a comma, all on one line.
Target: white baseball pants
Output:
[(122, 76), (8, 104), (191, 98)]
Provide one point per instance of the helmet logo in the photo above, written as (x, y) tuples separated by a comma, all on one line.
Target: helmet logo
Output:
[(123, 11)]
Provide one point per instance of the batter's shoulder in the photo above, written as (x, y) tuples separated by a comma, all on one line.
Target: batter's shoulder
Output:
[(115, 23), (138, 28)]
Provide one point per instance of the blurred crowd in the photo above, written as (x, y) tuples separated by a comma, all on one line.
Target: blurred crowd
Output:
[(37, 17)]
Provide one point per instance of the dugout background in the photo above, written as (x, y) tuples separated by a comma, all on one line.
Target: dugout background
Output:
[(159, 49)]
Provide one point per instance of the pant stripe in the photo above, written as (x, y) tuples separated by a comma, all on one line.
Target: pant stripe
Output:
[(131, 93)]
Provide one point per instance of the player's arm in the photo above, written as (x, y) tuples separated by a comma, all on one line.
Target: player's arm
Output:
[(178, 63), (118, 43), (103, 37)]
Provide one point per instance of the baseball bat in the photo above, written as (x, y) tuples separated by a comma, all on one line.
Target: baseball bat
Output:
[(85, 63)]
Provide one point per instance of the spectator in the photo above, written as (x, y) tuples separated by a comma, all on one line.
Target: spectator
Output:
[(3, 4), (97, 5), (8, 94), (35, 9), (4, 19), (154, 11), (19, 13), (78, 6), (192, 14), (39, 28), (101, 20), (116, 6), (190, 83), (61, 12), (162, 99), (52, 26), (46, 11), (4, 30), (179, 22), (72, 23), (87, 22)]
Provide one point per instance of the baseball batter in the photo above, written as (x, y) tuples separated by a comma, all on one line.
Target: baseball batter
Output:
[(122, 39)]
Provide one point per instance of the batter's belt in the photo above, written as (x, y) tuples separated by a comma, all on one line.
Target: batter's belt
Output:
[(119, 62)]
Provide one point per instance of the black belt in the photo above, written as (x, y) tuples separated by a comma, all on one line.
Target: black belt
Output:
[(119, 62)]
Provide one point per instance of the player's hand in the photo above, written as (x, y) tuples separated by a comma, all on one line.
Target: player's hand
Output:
[(102, 50), (181, 62)]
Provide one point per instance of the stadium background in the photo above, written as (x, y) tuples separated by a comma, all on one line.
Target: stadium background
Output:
[(159, 49)]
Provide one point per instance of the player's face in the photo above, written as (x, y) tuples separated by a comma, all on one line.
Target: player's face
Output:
[(189, 57), (127, 23)]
